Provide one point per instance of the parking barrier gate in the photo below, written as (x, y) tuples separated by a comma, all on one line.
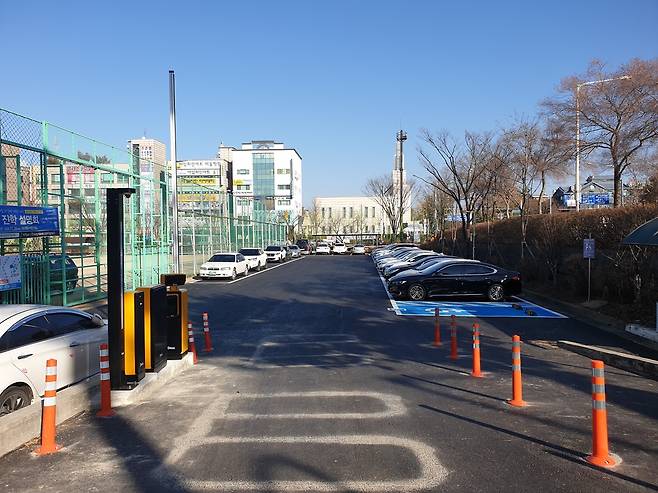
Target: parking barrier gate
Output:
[(476, 351), (190, 339), (106, 391), (49, 413), (600, 454), (437, 328), (517, 386)]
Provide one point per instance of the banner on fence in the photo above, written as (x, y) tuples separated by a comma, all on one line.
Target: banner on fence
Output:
[(27, 221), (10, 272)]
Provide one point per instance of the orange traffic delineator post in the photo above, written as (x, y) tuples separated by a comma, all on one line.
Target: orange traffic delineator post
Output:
[(106, 400), (476, 351), (437, 328), (453, 337), (190, 338), (517, 386), (206, 333), (600, 454), (49, 414)]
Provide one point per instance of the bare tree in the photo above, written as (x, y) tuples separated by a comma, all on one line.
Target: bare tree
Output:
[(464, 172), (386, 193), (618, 117)]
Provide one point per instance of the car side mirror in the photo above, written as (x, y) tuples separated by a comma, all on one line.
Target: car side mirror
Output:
[(97, 320)]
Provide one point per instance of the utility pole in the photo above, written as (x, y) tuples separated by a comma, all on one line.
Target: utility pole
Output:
[(401, 136), (174, 171)]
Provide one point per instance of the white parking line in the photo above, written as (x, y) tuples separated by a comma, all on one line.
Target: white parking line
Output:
[(394, 303), (432, 472), (249, 276), (392, 403)]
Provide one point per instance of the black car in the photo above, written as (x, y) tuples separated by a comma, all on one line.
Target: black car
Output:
[(58, 272), (456, 277), (304, 246), (420, 264)]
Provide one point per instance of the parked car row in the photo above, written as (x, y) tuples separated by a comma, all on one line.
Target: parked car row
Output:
[(324, 248), (417, 274), (230, 265)]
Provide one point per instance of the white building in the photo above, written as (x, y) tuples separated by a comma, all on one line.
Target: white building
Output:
[(266, 176)]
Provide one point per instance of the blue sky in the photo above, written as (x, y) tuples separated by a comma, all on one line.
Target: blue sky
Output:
[(333, 79)]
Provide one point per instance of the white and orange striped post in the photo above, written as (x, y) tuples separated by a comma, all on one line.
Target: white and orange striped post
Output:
[(517, 386), (49, 413), (106, 391), (600, 454), (453, 338), (437, 328), (206, 333), (190, 335), (476, 372)]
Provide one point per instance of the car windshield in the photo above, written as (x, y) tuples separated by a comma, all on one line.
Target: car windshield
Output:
[(322, 244), (222, 257), (433, 267), (250, 252), (340, 244), (294, 247), (273, 249), (358, 246)]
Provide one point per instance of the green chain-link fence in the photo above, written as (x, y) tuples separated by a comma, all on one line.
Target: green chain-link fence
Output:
[(43, 164)]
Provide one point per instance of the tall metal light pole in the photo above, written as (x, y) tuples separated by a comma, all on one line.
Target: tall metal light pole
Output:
[(174, 172), (578, 86), (401, 136)]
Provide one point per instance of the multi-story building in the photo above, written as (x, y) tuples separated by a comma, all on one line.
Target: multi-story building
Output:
[(148, 150), (266, 176)]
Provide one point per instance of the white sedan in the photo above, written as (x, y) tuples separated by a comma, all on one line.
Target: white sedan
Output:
[(32, 334), (224, 265), (255, 257)]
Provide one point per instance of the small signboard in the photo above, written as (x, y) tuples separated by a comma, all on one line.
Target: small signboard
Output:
[(27, 221), (589, 248), (10, 272)]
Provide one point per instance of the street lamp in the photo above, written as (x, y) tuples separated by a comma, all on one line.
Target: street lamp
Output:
[(578, 86), (401, 136)]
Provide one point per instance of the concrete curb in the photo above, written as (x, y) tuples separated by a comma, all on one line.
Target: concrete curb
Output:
[(24, 425), (644, 367), (584, 315), (151, 382)]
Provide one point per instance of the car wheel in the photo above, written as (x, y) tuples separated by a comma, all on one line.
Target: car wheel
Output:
[(417, 292), (234, 275), (258, 269), (496, 292), (13, 399), (70, 285)]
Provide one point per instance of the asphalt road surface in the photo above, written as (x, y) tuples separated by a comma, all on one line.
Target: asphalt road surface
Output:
[(317, 385)]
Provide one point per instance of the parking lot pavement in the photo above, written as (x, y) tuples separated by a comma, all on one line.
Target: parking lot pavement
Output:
[(316, 386)]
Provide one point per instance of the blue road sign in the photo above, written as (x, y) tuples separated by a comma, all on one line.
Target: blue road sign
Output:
[(26, 221), (589, 248)]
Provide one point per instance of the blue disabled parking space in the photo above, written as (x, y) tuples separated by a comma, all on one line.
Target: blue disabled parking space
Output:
[(516, 308)]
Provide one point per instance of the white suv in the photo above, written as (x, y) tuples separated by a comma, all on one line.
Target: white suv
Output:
[(339, 249), (322, 249), (275, 253), (255, 257)]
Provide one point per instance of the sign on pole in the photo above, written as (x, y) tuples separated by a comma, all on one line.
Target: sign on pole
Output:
[(589, 248)]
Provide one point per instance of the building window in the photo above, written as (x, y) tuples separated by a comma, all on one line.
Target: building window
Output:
[(329, 212), (244, 187), (282, 171), (323, 213), (351, 212), (244, 202), (283, 187), (54, 178), (284, 202), (107, 178), (242, 171), (344, 212), (373, 212), (123, 178)]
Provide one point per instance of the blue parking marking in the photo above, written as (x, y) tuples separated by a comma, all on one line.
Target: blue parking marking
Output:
[(518, 308)]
